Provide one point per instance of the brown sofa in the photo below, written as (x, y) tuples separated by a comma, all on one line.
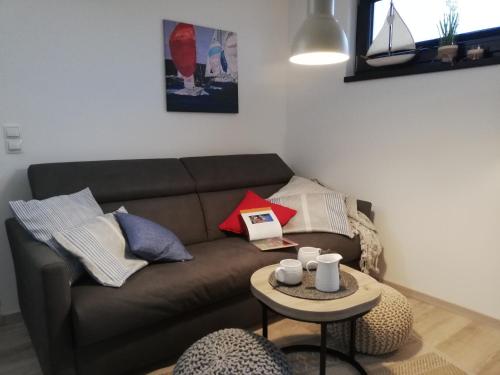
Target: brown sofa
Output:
[(90, 329)]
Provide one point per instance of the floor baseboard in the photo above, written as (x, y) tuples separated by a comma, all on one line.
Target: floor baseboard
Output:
[(471, 314)]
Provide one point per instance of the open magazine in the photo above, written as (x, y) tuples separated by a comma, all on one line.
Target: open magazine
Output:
[(264, 229)]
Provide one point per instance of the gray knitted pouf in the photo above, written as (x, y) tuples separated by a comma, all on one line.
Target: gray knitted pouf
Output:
[(232, 352), (383, 330)]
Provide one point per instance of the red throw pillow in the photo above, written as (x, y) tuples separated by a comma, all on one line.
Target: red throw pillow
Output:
[(234, 223)]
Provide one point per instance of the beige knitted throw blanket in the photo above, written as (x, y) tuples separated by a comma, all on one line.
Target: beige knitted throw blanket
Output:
[(371, 248)]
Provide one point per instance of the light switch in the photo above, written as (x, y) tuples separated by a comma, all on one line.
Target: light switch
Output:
[(12, 131), (14, 146)]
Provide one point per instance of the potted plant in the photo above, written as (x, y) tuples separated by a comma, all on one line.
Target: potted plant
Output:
[(448, 50)]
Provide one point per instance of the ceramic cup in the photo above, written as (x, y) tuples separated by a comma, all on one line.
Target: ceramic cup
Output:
[(308, 253), (289, 272)]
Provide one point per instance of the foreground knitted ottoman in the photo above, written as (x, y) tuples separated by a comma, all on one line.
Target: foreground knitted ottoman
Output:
[(384, 329), (232, 352)]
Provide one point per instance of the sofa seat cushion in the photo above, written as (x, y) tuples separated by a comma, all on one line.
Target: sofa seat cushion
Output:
[(220, 270), (350, 249)]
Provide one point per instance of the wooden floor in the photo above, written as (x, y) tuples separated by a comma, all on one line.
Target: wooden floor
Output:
[(473, 346)]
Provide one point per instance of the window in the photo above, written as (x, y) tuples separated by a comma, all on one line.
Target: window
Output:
[(479, 26), (422, 16)]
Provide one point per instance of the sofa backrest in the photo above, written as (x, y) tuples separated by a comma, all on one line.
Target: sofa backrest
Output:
[(190, 196), (158, 189), (222, 181), (112, 180)]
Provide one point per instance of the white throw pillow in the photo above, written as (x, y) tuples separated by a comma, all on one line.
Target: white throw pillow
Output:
[(316, 212), (44, 218), (100, 246), (302, 185)]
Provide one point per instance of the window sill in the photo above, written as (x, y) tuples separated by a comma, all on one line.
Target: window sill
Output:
[(422, 68)]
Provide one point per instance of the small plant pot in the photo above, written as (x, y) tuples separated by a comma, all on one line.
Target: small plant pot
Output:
[(475, 53), (447, 53)]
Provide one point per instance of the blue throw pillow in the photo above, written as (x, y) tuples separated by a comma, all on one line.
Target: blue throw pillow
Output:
[(151, 241)]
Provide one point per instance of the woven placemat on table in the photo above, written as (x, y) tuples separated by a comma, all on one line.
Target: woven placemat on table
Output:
[(306, 289)]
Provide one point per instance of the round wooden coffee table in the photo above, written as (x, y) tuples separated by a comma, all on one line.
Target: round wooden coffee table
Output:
[(322, 312)]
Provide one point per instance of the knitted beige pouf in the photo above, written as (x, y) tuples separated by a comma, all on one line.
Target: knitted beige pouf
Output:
[(384, 329)]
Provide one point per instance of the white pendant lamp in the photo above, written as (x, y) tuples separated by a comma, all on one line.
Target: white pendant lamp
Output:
[(320, 40)]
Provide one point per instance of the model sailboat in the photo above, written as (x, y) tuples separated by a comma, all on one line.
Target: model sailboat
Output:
[(394, 44)]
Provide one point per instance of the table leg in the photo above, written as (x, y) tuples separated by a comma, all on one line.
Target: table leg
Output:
[(322, 353), (324, 350), (264, 320)]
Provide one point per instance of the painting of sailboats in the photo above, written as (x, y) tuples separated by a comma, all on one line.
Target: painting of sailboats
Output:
[(201, 68), (394, 44)]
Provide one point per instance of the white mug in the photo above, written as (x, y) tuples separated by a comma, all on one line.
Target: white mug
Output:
[(289, 272), (328, 274), (308, 253)]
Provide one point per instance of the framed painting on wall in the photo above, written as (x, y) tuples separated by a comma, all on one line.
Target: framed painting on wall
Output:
[(201, 68)]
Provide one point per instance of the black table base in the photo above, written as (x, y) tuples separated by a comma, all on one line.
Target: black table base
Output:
[(322, 349)]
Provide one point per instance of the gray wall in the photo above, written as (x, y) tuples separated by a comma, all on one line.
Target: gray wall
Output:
[(84, 79), (426, 150)]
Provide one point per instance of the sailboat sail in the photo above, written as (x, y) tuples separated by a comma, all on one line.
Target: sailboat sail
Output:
[(182, 45), (183, 48), (222, 55), (381, 42), (401, 36), (393, 39), (214, 56), (231, 55)]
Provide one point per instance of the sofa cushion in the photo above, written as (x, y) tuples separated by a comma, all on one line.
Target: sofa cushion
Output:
[(317, 212), (220, 270), (113, 180), (350, 249), (100, 246), (182, 214), (366, 208), (151, 241), (43, 218), (234, 223), (218, 205), (215, 173)]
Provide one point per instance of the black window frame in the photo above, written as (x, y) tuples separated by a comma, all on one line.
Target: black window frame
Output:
[(425, 61)]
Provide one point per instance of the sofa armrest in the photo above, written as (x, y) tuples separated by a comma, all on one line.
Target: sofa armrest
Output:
[(44, 291), (366, 208)]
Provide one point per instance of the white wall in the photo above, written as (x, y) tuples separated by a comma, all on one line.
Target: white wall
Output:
[(425, 150), (85, 81)]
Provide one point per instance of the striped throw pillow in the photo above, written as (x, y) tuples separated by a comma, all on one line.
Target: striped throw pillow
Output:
[(100, 246), (302, 185), (44, 218), (317, 212)]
